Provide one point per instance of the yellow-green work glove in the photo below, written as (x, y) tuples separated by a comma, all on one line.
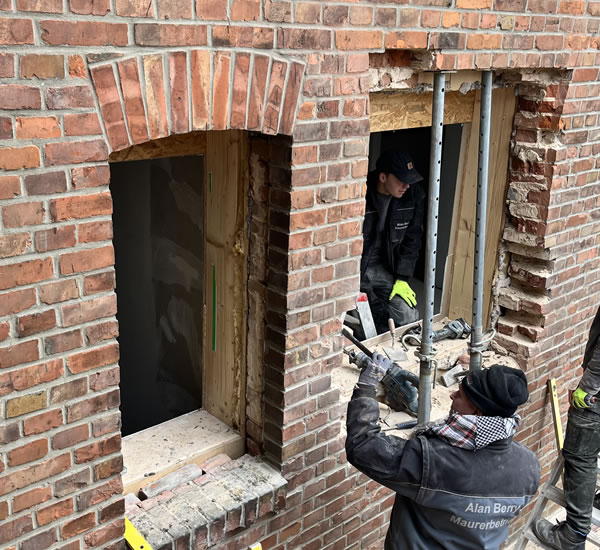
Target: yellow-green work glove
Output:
[(402, 289), (582, 400)]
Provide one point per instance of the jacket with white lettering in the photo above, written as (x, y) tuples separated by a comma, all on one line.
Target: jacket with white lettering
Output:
[(403, 229), (447, 498)]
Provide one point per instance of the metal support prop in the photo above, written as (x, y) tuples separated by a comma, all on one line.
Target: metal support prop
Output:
[(435, 167), (481, 221)]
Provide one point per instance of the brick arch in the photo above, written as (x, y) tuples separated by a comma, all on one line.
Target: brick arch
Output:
[(156, 95)]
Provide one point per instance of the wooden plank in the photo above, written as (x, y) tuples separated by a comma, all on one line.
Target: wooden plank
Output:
[(191, 438), (401, 110), (461, 295), (219, 379), (183, 145), (226, 276), (558, 431), (449, 265), (461, 290), (503, 113)]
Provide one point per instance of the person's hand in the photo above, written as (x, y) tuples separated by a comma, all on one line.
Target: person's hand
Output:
[(375, 370), (582, 400), (402, 289)]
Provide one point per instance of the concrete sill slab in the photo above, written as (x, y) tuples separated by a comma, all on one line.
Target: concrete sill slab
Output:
[(191, 438)]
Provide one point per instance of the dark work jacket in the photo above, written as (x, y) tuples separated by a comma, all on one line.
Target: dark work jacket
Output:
[(447, 498), (402, 233), (590, 381)]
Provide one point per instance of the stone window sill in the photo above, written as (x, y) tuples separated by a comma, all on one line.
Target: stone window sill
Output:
[(194, 437), (203, 510)]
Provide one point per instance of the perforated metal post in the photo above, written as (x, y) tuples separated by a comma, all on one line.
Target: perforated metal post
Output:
[(435, 167), (481, 220)]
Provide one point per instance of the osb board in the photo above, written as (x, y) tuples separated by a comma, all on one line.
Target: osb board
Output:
[(225, 275), (503, 110), (183, 145), (399, 110), (191, 438)]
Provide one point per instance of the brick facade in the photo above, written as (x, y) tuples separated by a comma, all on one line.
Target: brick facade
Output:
[(82, 79)]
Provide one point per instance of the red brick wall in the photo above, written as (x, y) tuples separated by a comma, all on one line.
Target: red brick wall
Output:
[(81, 79)]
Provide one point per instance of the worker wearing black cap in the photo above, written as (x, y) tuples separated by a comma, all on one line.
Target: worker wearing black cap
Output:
[(458, 482), (392, 232)]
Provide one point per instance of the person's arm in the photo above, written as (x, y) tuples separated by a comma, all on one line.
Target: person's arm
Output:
[(389, 460), (408, 251)]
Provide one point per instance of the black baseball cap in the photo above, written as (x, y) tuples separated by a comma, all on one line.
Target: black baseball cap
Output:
[(400, 164)]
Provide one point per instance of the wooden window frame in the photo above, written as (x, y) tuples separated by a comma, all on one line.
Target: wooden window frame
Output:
[(222, 416)]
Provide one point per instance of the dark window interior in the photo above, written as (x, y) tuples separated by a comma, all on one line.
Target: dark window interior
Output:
[(159, 250)]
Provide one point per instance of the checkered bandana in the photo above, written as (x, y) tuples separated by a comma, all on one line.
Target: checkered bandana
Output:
[(472, 432)]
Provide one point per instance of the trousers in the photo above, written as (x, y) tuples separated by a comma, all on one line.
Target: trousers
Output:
[(580, 451), (377, 283)]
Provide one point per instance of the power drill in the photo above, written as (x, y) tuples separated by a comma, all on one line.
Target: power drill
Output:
[(400, 384), (401, 389)]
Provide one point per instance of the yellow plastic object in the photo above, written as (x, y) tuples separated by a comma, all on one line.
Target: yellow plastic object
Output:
[(134, 540), (555, 412), (257, 546)]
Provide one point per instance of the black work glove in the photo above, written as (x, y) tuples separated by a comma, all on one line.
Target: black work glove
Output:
[(375, 370)]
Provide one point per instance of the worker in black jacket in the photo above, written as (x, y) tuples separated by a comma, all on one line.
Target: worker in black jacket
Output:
[(459, 482), (580, 451), (392, 232)]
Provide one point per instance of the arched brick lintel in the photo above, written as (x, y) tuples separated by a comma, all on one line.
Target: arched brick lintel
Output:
[(156, 95)]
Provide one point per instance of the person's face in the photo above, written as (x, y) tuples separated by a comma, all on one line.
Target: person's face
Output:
[(461, 403), (388, 184)]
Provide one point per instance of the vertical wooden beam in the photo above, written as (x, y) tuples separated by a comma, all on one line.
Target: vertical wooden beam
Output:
[(226, 213), (461, 291)]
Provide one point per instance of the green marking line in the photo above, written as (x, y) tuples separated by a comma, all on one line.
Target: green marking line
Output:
[(214, 309)]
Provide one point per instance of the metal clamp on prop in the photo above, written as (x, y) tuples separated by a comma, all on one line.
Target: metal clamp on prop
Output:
[(481, 346), (429, 358), (407, 337)]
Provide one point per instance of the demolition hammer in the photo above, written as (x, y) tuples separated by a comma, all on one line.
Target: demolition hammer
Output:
[(400, 385)]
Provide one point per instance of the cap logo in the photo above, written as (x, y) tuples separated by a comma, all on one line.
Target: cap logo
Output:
[(409, 165)]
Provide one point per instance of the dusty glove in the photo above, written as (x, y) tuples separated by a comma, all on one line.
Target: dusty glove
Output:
[(402, 289), (375, 370), (582, 400)]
